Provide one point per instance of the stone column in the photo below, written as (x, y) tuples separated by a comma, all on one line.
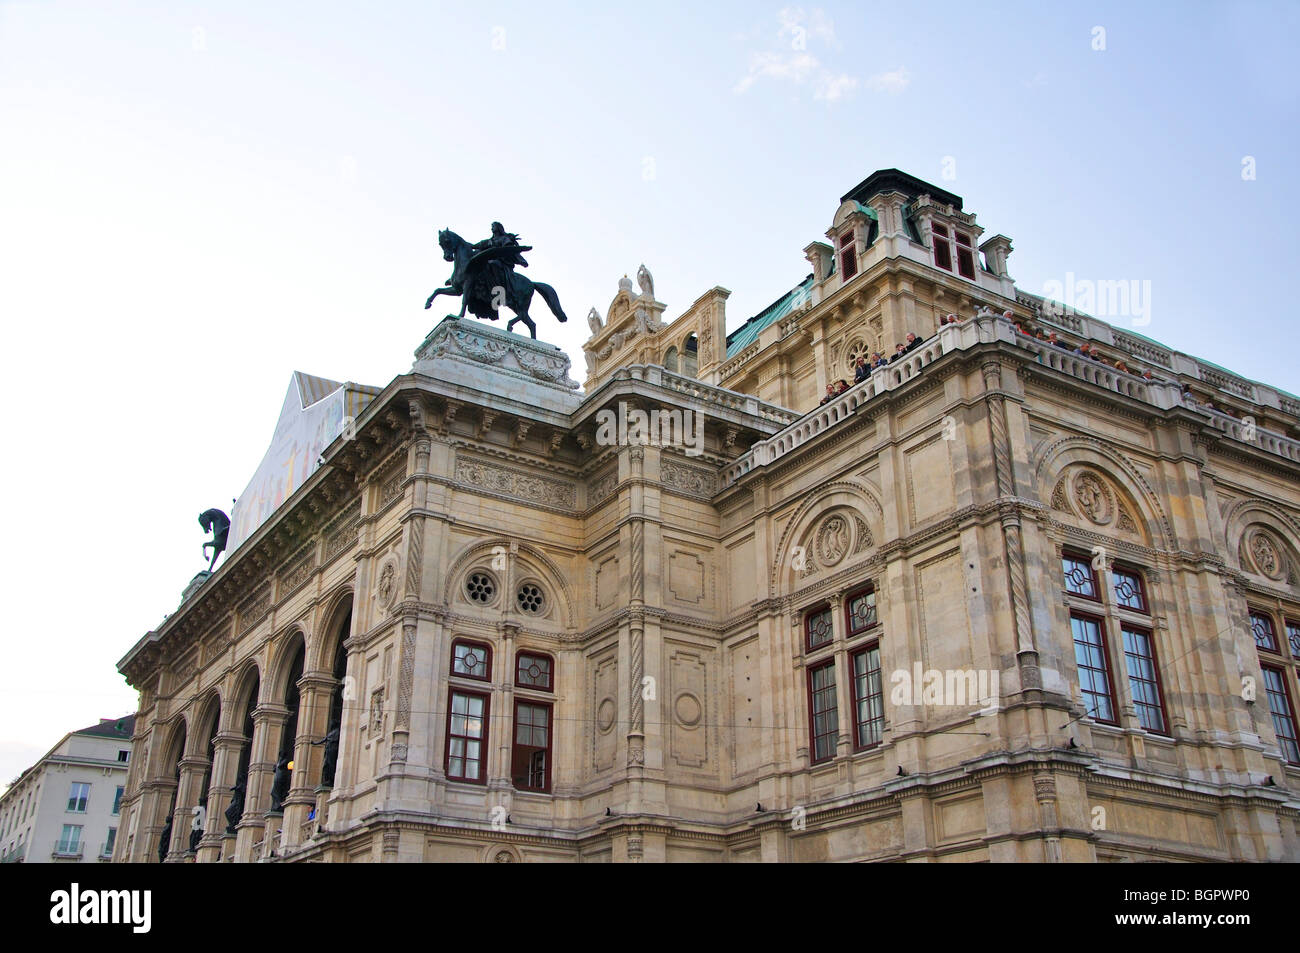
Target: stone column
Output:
[(1026, 652), (225, 762), (187, 798), (316, 691), (268, 723), (160, 798)]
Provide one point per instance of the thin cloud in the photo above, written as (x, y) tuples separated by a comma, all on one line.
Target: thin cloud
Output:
[(893, 82), (830, 88), (795, 67), (794, 63)]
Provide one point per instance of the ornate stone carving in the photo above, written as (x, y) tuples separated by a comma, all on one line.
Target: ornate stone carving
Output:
[(251, 612), (1092, 497), (406, 676), (1059, 500), (391, 487), (377, 710), (300, 572), (483, 345), (863, 539), (689, 479), (523, 486), (386, 585), (1265, 554), (345, 533), (833, 539), (602, 486), (646, 281)]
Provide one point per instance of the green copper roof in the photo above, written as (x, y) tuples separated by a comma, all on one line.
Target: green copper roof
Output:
[(748, 332)]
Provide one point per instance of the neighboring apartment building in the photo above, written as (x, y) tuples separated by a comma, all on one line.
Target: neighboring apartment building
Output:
[(66, 807), (997, 600)]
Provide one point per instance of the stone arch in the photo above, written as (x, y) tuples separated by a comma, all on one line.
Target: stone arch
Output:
[(541, 565), (845, 496), (207, 722), (338, 608), (1087, 453), (670, 359), (276, 685), (175, 733), (690, 355), (1247, 517), (245, 692)]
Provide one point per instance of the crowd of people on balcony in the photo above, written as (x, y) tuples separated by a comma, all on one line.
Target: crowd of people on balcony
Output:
[(864, 365), (1090, 351), (1083, 349)]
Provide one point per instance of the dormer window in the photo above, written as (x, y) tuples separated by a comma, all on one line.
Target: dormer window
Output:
[(965, 255), (942, 243), (942, 247), (848, 256)]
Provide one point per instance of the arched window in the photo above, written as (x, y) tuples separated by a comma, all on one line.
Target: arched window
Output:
[(670, 360), (690, 356)]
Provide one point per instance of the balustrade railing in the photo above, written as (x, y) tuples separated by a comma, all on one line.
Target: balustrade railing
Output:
[(985, 329)]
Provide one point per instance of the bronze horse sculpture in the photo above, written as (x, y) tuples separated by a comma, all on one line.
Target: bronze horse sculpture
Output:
[(218, 524), (483, 276)]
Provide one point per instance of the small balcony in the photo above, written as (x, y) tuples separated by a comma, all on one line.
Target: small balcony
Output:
[(65, 851)]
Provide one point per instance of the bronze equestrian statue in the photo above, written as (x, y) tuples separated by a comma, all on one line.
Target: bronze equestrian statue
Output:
[(218, 524), (483, 275)]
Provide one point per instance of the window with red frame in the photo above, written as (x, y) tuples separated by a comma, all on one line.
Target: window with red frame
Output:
[(471, 660), (860, 611), (530, 759), (1279, 706), (1144, 679), (965, 255), (818, 628), (1261, 626), (1094, 668), (848, 256), (534, 670), (467, 737), (1129, 591), (942, 246), (868, 698), (1080, 577), (824, 724)]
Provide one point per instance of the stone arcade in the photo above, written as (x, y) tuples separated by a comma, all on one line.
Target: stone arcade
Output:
[(531, 645)]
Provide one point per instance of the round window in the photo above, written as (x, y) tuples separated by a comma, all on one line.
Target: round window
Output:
[(480, 588), (530, 599)]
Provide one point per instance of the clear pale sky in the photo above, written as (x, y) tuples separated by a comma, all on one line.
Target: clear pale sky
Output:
[(197, 199)]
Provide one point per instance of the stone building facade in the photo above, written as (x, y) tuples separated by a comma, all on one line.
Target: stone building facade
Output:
[(997, 601)]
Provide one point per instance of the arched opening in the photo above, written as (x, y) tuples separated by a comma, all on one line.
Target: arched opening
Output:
[(670, 360), (208, 723), (690, 356), (238, 791), (334, 723), (176, 753), (289, 735)]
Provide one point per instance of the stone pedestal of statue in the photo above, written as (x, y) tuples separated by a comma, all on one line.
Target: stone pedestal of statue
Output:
[(196, 584), (473, 354)]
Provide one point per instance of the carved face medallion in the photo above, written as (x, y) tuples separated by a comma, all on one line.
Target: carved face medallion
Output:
[(1265, 554), (833, 539), (1092, 498)]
